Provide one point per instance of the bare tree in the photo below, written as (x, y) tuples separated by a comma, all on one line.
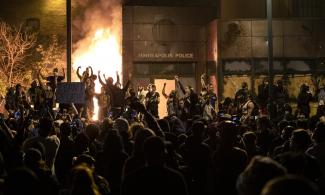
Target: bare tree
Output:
[(51, 54), (14, 46)]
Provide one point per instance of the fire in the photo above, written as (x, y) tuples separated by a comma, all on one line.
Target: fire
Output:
[(103, 53)]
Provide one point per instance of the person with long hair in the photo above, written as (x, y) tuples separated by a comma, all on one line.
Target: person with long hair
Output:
[(83, 181)]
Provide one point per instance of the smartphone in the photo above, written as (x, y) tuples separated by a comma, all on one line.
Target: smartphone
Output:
[(133, 114), (17, 115), (221, 114), (110, 114), (234, 118)]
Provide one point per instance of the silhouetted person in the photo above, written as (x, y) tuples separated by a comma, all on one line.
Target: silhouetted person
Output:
[(116, 93), (22, 181), (50, 142), (152, 100), (63, 162), (263, 95), (281, 97), (242, 94), (90, 162), (286, 185), (297, 161), (285, 136), (228, 161), (110, 162), (197, 156), (258, 172), (155, 178), (84, 142), (190, 99), (264, 134), (318, 148), (249, 139), (303, 100), (83, 181), (136, 160), (122, 125), (213, 140), (48, 183)]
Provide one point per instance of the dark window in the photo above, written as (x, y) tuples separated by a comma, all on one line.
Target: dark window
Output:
[(299, 65), (165, 68), (237, 67), (261, 67), (321, 65), (306, 8)]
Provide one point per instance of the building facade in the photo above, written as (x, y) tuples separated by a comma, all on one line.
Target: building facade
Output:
[(161, 42)]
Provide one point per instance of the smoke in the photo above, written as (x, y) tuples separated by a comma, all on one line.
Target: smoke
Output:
[(94, 14), (89, 17), (97, 36)]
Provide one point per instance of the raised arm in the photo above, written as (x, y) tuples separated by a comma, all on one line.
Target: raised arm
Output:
[(6, 130), (100, 79), (74, 109), (91, 71), (40, 78), (126, 86), (164, 91), (78, 73), (117, 78), (180, 84), (63, 72), (203, 83), (151, 121)]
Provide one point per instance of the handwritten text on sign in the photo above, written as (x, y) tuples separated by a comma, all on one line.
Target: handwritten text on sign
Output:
[(70, 93)]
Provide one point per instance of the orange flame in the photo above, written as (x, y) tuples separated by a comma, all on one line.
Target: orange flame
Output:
[(102, 52)]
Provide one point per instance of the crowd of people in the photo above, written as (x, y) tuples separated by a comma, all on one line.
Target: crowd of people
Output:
[(202, 146)]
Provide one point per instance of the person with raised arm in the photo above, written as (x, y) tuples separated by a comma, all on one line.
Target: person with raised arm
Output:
[(46, 96), (191, 99), (172, 101), (54, 79), (117, 95), (85, 74)]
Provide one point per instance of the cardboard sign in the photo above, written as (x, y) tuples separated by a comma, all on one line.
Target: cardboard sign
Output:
[(67, 93)]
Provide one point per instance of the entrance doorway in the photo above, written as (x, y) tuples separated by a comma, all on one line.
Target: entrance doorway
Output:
[(170, 85)]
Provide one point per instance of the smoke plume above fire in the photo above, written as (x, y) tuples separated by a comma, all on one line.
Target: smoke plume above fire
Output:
[(98, 31), (97, 37)]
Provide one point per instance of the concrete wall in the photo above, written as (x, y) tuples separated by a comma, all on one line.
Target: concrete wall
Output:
[(51, 13), (231, 9)]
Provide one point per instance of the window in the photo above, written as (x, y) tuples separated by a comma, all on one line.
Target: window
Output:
[(299, 65), (237, 67), (261, 67), (164, 68), (306, 8)]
